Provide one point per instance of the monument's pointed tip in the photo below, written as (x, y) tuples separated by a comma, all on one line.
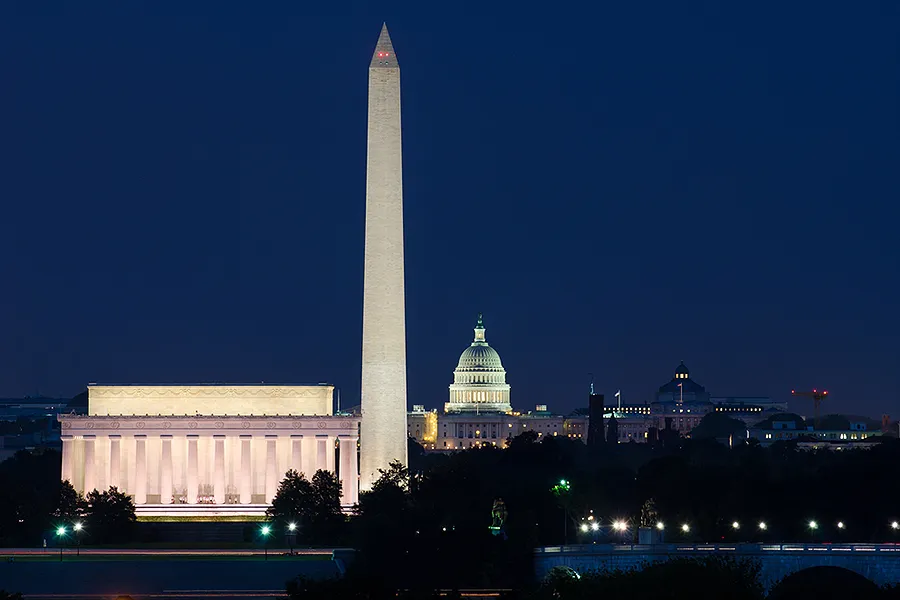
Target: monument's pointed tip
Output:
[(384, 50)]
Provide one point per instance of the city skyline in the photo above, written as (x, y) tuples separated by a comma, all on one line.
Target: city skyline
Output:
[(194, 224)]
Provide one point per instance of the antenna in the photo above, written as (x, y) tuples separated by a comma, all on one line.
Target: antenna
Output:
[(591, 375)]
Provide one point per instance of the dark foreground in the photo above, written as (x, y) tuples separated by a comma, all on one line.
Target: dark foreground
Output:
[(159, 574)]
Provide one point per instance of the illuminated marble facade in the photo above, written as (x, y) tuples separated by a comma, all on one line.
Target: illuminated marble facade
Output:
[(205, 454)]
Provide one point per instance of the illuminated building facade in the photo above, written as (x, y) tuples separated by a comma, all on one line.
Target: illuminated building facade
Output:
[(479, 380), (196, 451), (678, 405)]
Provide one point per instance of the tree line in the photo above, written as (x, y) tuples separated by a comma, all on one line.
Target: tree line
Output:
[(35, 506)]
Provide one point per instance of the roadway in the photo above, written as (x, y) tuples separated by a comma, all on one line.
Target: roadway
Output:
[(159, 574), (72, 551)]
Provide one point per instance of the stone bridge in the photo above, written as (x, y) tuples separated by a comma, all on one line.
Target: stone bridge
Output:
[(879, 563)]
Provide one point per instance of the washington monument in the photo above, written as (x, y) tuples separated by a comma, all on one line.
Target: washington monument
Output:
[(383, 398)]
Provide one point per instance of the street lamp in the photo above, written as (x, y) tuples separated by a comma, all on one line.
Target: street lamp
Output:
[(292, 531), (78, 527), (895, 525), (595, 526), (735, 525), (264, 531), (660, 525), (685, 528), (584, 527), (813, 525), (60, 533), (561, 488), (762, 525)]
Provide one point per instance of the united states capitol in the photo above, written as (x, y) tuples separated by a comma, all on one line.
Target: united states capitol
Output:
[(480, 412)]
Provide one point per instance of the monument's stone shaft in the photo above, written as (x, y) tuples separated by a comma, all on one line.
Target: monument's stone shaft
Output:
[(383, 427)]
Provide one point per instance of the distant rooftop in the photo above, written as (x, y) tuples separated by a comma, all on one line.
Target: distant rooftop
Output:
[(209, 384)]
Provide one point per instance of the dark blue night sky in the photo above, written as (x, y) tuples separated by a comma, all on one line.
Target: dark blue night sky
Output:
[(617, 189)]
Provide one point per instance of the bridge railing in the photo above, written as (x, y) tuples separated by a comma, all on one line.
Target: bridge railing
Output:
[(688, 549)]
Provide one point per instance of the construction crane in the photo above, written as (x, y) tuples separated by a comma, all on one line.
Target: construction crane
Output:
[(817, 398)]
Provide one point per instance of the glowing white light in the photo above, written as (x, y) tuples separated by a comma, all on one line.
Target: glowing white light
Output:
[(60, 531), (584, 527), (813, 525), (840, 524), (595, 526), (265, 530), (292, 526), (77, 526), (620, 525), (762, 525), (895, 525), (735, 525), (685, 528)]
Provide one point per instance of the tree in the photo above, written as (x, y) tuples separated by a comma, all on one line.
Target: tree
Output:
[(612, 432), (71, 505), (326, 519), (29, 490), (293, 499), (314, 506), (110, 516), (396, 475), (720, 426)]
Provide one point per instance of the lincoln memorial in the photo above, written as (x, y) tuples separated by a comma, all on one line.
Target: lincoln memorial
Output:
[(207, 450)]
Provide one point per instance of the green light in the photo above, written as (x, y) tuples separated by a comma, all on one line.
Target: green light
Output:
[(265, 530), (60, 531)]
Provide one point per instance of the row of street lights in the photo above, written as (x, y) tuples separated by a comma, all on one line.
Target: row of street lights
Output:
[(622, 526), (266, 530), (61, 533)]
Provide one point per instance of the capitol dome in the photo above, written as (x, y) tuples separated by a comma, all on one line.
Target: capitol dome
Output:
[(479, 380)]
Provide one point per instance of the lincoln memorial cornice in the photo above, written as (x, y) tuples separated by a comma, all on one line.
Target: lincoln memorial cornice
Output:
[(208, 423), (203, 391)]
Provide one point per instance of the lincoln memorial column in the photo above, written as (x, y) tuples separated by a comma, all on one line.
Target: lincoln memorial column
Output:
[(309, 456), (349, 470), (90, 467), (329, 454), (140, 469), (244, 482), (219, 469), (271, 481), (297, 453), (68, 459), (115, 461), (322, 452), (193, 482), (165, 470)]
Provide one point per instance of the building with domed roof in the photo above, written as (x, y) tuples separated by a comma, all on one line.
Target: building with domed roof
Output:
[(479, 380), (682, 389), (478, 412)]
